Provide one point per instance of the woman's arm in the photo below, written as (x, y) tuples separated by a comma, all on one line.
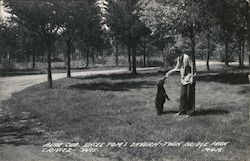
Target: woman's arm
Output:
[(175, 69)]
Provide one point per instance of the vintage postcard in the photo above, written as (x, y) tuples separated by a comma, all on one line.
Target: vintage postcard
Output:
[(124, 80)]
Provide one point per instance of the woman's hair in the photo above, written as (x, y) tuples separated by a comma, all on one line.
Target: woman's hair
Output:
[(181, 60)]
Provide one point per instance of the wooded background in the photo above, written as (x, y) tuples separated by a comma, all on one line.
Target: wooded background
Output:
[(123, 32)]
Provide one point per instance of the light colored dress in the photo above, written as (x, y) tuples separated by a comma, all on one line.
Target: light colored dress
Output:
[(187, 97)]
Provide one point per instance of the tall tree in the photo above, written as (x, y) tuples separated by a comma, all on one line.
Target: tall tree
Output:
[(126, 27), (41, 18), (247, 6), (225, 13), (92, 34), (209, 27), (74, 20), (181, 17), (8, 41)]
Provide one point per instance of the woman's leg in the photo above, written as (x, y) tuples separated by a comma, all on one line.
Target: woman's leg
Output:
[(183, 99)]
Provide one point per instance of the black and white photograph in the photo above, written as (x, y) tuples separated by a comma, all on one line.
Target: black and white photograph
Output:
[(124, 80)]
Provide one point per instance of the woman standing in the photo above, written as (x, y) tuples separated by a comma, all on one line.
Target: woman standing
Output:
[(187, 98)]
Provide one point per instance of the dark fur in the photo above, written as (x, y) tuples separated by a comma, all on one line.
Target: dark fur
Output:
[(160, 97)]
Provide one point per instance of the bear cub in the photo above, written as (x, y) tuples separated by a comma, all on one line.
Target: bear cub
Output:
[(160, 97)]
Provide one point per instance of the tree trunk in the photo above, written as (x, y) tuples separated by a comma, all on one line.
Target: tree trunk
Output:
[(102, 56), (33, 60), (163, 56), (116, 54), (72, 56), (208, 53), (192, 38), (49, 63), (129, 58), (87, 58), (68, 57), (144, 54), (27, 57), (43, 53), (93, 55), (249, 60), (226, 52), (134, 60), (243, 51), (144, 61), (248, 30), (240, 65)]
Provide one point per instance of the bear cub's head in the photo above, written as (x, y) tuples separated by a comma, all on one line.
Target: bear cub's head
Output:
[(160, 84)]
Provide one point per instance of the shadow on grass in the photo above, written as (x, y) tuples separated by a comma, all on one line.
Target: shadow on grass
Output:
[(119, 86), (235, 68), (170, 112), (19, 129), (201, 112), (227, 78), (204, 112), (245, 90)]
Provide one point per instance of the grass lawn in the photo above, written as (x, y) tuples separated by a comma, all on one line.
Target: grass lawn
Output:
[(120, 107)]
